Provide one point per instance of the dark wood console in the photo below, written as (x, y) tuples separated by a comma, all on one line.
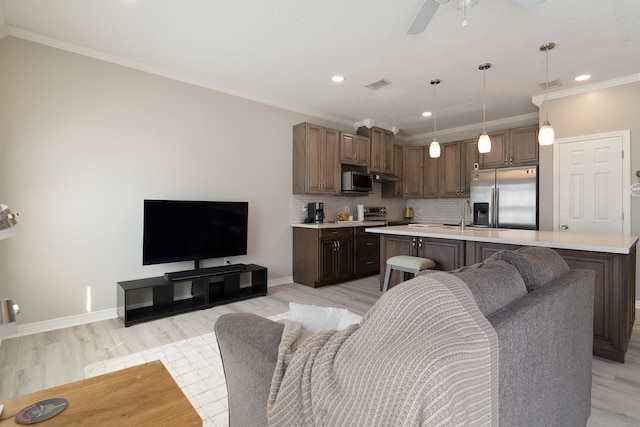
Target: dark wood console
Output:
[(152, 298)]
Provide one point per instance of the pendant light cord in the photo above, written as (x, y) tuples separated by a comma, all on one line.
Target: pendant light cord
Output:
[(484, 100)]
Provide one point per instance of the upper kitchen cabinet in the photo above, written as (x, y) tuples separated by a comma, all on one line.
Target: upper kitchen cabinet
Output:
[(355, 149), (396, 189), (431, 175), (512, 148), (315, 160), (457, 160), (413, 173), (382, 142)]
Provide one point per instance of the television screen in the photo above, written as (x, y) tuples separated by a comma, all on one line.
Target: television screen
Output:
[(177, 230)]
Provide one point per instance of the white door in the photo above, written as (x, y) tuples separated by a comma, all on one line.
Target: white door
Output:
[(590, 180)]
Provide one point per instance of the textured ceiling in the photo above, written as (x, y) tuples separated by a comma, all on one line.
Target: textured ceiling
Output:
[(284, 52)]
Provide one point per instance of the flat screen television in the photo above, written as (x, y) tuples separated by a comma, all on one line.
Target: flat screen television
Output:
[(179, 230)]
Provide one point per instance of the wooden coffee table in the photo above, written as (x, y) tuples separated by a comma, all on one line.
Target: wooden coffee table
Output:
[(144, 395)]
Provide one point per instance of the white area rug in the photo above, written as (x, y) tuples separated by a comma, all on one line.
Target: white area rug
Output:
[(196, 367)]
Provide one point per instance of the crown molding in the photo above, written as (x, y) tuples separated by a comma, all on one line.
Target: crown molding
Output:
[(495, 124), (101, 56), (539, 99)]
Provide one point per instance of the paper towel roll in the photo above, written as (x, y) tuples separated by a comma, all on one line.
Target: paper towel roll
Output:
[(360, 212)]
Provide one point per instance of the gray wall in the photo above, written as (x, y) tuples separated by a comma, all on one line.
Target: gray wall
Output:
[(83, 142)]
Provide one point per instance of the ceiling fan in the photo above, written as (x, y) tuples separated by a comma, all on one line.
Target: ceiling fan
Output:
[(429, 8)]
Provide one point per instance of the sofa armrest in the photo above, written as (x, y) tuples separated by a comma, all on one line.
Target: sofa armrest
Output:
[(249, 349), (546, 341)]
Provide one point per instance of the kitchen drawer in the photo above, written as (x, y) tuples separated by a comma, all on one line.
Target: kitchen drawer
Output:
[(367, 245), (367, 264), (336, 233)]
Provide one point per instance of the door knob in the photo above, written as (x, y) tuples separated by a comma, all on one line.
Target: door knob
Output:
[(564, 226)]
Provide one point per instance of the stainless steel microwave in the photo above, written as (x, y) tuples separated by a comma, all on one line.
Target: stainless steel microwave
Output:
[(357, 182)]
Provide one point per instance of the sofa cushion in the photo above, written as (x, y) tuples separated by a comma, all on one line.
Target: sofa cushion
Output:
[(493, 283), (537, 266)]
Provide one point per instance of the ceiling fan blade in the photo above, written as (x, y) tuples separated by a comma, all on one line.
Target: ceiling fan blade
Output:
[(530, 3), (423, 17)]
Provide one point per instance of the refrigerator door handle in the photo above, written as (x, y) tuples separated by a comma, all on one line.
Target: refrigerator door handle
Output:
[(492, 208), (497, 207)]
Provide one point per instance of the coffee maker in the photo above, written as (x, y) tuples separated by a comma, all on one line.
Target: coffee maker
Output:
[(315, 212)]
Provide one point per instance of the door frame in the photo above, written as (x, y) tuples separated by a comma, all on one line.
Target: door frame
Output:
[(626, 174)]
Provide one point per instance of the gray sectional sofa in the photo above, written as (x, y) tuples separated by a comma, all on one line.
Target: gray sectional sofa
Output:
[(542, 314)]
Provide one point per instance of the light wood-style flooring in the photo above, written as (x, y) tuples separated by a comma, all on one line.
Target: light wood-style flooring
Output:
[(48, 359)]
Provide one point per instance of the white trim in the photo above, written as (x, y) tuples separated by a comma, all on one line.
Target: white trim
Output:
[(637, 304), (65, 322), (279, 281), (110, 313), (495, 124), (626, 174), (633, 78)]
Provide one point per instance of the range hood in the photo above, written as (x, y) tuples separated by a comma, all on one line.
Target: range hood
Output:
[(385, 177)]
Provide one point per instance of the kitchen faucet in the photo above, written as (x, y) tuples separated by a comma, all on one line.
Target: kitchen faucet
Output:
[(463, 222)]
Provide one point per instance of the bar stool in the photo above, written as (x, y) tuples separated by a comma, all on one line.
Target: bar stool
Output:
[(406, 264)]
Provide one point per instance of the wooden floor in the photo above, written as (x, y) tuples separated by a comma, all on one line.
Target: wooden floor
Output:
[(48, 359)]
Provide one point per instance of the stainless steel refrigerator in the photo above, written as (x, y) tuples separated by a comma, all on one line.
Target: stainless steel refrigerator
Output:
[(505, 197)]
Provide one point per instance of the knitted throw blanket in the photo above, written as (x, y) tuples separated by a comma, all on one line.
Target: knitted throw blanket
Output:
[(422, 355)]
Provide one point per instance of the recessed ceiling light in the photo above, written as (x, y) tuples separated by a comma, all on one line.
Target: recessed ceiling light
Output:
[(426, 114), (583, 77), (337, 79)]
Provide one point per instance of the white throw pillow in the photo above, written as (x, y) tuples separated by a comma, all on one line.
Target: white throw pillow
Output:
[(315, 319)]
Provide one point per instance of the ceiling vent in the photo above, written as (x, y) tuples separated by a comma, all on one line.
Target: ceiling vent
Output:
[(552, 84), (379, 84)]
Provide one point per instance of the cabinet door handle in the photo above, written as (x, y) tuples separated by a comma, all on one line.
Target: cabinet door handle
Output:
[(413, 243), (369, 244), (420, 244)]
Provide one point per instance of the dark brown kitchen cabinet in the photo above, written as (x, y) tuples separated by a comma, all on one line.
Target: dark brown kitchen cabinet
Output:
[(431, 175), (457, 161), (382, 142), (332, 255), (448, 254), (413, 178), (336, 255), (396, 189), (515, 147), (367, 253), (354, 149), (315, 160)]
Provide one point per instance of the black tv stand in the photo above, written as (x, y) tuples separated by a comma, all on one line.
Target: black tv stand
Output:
[(209, 287), (203, 272)]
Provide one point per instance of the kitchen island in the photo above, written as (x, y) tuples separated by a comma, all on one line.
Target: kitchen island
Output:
[(612, 258)]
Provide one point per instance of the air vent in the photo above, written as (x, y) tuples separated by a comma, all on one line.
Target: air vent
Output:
[(377, 85), (552, 84)]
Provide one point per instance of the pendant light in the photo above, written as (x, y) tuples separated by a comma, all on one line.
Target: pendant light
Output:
[(484, 142), (546, 134), (434, 147)]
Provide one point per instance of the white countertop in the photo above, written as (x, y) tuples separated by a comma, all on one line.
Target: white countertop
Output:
[(341, 224), (549, 239)]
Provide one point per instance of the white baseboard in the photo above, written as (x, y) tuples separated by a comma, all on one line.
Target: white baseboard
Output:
[(81, 319), (65, 322), (280, 281), (637, 304)]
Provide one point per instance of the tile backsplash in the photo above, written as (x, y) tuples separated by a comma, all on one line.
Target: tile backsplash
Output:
[(425, 210)]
